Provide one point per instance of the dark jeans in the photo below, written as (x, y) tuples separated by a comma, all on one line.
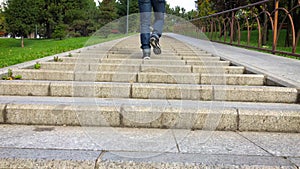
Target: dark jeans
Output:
[(159, 9)]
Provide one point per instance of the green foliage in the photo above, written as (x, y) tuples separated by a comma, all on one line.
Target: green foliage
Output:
[(10, 76), (2, 22), (57, 59), (205, 7), (18, 77), (60, 32), (37, 65), (108, 11), (22, 16)]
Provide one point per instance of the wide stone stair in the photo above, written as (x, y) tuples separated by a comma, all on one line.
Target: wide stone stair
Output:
[(108, 87)]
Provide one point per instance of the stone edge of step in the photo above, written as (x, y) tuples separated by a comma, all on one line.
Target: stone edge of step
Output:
[(37, 158), (170, 114)]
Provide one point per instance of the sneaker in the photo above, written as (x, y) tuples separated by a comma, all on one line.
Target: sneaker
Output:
[(154, 42), (146, 54)]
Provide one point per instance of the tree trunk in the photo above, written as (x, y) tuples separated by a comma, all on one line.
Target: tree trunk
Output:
[(22, 41), (265, 30), (288, 28)]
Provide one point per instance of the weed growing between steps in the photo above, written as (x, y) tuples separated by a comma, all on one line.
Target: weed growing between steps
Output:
[(37, 65), (57, 59), (10, 76)]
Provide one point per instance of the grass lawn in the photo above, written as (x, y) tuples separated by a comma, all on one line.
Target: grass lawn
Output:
[(254, 40), (11, 52)]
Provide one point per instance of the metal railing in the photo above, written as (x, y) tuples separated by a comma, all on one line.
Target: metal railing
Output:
[(262, 25)]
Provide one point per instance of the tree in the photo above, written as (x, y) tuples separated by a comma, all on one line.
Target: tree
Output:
[(108, 11), (22, 16), (205, 7), (2, 22), (78, 16), (133, 15)]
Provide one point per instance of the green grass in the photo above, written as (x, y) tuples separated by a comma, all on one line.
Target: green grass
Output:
[(254, 40), (11, 52)]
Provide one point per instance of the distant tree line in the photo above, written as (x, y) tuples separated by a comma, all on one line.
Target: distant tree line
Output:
[(61, 18)]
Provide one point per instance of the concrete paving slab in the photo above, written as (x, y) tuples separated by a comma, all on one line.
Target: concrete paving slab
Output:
[(179, 161), (63, 114), (174, 78), (28, 74), (277, 144), (266, 119), (122, 61), (184, 104), (218, 70), (130, 77), (171, 91), (295, 161), (90, 89), (80, 60), (202, 58), (115, 67), (203, 118), (256, 94), (166, 69), (2, 113), (64, 66), (230, 79), (88, 138), (214, 142), (162, 57), (24, 88), (35, 158), (207, 63), (164, 62)]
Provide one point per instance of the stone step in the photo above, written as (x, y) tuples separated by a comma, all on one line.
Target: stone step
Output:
[(211, 92), (88, 76), (107, 148), (104, 59), (197, 67), (195, 78), (150, 91), (87, 55), (127, 73), (218, 69), (208, 63), (165, 57), (106, 67), (136, 113)]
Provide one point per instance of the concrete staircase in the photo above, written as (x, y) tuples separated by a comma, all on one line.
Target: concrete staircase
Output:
[(110, 86)]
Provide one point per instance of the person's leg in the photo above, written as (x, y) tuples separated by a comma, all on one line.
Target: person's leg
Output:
[(145, 8), (159, 8)]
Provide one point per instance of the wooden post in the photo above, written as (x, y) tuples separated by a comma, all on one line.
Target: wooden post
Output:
[(275, 27)]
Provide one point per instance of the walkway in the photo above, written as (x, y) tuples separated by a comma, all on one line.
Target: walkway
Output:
[(191, 107), (282, 70)]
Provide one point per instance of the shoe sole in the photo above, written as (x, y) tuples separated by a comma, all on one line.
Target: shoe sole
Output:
[(146, 58), (156, 46)]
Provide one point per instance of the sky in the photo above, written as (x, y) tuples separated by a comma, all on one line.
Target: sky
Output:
[(186, 4)]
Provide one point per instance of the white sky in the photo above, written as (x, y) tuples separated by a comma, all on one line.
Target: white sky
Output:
[(186, 4)]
